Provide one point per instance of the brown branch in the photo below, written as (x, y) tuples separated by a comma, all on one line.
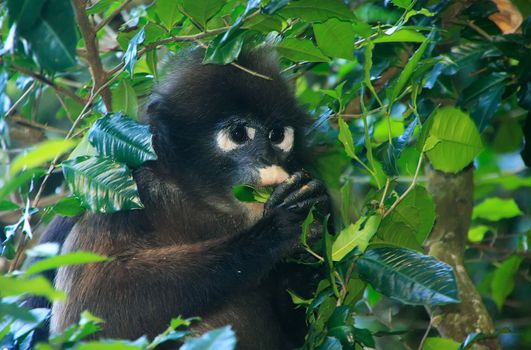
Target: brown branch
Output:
[(109, 18), (51, 83), (20, 100), (99, 76)]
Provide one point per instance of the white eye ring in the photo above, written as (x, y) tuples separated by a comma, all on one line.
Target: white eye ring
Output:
[(225, 142), (287, 143)]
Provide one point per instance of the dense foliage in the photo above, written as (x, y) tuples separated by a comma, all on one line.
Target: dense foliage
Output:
[(405, 96)]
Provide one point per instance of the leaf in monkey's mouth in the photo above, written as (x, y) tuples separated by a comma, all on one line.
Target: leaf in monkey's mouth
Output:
[(246, 193)]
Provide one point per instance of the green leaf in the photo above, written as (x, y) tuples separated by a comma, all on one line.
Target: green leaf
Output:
[(401, 35), (459, 140), (168, 12), (317, 10), (345, 136), (246, 193), (409, 224), (6, 205), (100, 6), (437, 343), (124, 99), (122, 139), (502, 283), (101, 184), (225, 52), (20, 180), (430, 143), (495, 209), (201, 10), (18, 286), (402, 3), (25, 13), (301, 50), (69, 206), (69, 259), (53, 38), (355, 235), (263, 23), (335, 38), (42, 153), (130, 56), (408, 276), (406, 74), (477, 233), (218, 339), (108, 345)]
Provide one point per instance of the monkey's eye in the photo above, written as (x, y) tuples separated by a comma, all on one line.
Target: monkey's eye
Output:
[(239, 134), (276, 135), (282, 137)]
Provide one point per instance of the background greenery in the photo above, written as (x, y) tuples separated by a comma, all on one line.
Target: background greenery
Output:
[(405, 95)]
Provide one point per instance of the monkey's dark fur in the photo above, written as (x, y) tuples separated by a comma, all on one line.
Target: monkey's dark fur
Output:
[(194, 250)]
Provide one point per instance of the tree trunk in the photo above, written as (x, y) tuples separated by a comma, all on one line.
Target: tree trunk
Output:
[(453, 197)]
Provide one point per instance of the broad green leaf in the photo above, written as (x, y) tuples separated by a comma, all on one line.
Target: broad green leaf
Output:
[(346, 195), (345, 136), (406, 74), (130, 56), (477, 233), (225, 52), (18, 286), (437, 343), (402, 3), (459, 140), (69, 259), (171, 334), (431, 142), (246, 193), (101, 184), (494, 209), (409, 224), (300, 50), (263, 23), (168, 12), (14, 311), (401, 35), (25, 13), (20, 180), (6, 205), (317, 10), (108, 345), (53, 38), (502, 283), (100, 6), (218, 339), (124, 99), (355, 235), (408, 276), (69, 206), (122, 139), (42, 153), (201, 10), (335, 38)]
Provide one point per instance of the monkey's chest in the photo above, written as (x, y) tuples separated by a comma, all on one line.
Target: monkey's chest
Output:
[(253, 318)]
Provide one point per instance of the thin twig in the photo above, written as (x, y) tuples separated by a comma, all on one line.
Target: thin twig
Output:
[(425, 336), (413, 184), (37, 125), (20, 100), (45, 80), (109, 18)]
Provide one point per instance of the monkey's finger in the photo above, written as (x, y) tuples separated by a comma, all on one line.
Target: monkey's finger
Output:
[(311, 189), (282, 190), (307, 204)]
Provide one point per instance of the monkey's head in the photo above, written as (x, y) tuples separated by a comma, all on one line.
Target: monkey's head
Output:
[(219, 126)]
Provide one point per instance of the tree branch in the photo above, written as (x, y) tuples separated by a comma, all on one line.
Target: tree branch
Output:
[(99, 76), (109, 18)]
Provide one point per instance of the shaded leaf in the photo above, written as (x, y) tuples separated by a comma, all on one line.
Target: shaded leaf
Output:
[(25, 13), (301, 50), (502, 283), (101, 184), (69, 206), (122, 139), (218, 339), (124, 99), (317, 10), (408, 276), (19, 180), (201, 10), (335, 38), (225, 52), (168, 12)]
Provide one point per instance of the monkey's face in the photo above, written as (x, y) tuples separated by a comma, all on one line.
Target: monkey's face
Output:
[(254, 153)]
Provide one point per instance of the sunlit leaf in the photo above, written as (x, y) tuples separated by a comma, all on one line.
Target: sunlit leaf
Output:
[(201, 10), (408, 276), (40, 286), (401, 35), (436, 343), (335, 38), (42, 153), (317, 10), (69, 259), (355, 235), (168, 12), (101, 184), (124, 99), (301, 50), (459, 140), (19, 180), (494, 209)]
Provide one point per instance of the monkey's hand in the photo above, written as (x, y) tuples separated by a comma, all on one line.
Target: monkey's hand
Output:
[(292, 200)]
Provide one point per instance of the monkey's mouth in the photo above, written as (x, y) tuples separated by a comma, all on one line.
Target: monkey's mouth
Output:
[(271, 176)]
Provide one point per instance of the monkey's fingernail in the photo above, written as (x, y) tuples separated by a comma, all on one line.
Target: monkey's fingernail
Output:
[(304, 188)]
